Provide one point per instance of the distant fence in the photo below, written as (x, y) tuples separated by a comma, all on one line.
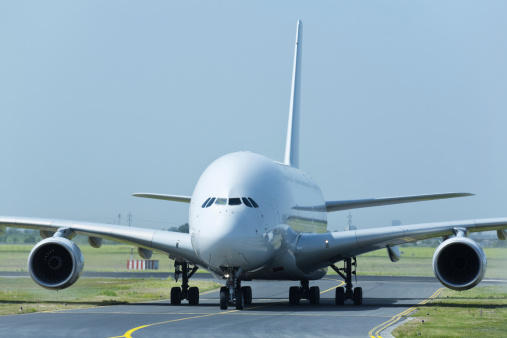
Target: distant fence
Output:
[(142, 264)]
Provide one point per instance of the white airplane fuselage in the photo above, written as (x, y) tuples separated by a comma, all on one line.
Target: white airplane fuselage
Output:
[(259, 240)]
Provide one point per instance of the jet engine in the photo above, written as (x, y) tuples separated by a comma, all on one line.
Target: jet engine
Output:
[(459, 263), (55, 263)]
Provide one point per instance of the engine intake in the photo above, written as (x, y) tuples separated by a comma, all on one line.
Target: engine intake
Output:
[(55, 263), (459, 263)]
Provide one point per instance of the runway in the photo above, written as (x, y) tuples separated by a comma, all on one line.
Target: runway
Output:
[(270, 314)]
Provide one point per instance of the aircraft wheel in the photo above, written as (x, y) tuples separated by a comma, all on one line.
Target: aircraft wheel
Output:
[(223, 300), (340, 296), (176, 295), (358, 296), (247, 294), (193, 295), (294, 295), (314, 295), (239, 300)]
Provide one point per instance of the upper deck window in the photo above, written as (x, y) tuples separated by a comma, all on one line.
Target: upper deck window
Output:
[(235, 201), (221, 201), (204, 204), (247, 202)]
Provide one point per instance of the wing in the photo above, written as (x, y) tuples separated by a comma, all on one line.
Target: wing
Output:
[(175, 198), (175, 244), (314, 251), (374, 202)]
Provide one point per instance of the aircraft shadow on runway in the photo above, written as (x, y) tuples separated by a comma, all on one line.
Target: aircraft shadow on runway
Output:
[(282, 305)]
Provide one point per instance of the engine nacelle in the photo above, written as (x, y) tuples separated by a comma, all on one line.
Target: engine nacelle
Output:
[(459, 263), (55, 263)]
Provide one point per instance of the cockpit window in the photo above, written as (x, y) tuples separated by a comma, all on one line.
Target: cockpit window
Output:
[(247, 202), (210, 202), (235, 201), (204, 204), (255, 205), (221, 201)]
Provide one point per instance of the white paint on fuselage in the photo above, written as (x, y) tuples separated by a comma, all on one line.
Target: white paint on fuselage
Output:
[(252, 238)]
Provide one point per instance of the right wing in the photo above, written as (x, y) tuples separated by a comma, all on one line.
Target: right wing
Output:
[(177, 245), (175, 198)]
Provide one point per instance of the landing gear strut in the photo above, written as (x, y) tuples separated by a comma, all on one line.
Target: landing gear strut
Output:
[(185, 292), (348, 293), (296, 293), (233, 292)]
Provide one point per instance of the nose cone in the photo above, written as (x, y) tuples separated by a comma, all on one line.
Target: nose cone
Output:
[(230, 241)]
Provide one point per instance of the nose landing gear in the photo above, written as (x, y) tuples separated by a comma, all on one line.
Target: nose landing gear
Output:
[(233, 292)]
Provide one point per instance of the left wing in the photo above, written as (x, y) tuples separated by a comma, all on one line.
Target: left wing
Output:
[(374, 202), (175, 244), (314, 251)]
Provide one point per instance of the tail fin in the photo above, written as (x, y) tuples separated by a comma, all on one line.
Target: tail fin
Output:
[(292, 144)]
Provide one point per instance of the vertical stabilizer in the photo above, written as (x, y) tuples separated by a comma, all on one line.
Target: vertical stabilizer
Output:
[(292, 145)]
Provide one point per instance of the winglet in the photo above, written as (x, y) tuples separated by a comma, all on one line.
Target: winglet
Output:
[(292, 144)]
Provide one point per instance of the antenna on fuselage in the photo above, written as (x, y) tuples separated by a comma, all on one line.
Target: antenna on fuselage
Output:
[(292, 144)]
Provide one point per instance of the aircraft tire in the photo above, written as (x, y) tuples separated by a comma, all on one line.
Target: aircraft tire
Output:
[(340, 296), (247, 294), (223, 300), (314, 295), (294, 295), (193, 295), (358, 296), (239, 300), (176, 295)]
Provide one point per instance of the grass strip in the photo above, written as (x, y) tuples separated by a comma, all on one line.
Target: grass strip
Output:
[(480, 312), (415, 261), (22, 295)]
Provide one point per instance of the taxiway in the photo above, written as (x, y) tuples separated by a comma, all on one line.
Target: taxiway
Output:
[(270, 314)]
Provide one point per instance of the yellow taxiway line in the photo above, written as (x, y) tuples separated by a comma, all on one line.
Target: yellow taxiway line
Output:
[(375, 332), (129, 333)]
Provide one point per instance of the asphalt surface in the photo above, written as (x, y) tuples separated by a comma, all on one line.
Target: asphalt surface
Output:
[(270, 315)]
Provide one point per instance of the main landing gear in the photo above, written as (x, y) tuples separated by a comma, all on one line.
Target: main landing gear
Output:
[(348, 293), (233, 293), (185, 292), (296, 293)]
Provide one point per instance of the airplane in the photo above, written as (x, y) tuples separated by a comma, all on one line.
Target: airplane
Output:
[(253, 218)]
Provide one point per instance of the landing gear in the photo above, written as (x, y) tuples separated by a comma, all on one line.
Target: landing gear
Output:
[(185, 292), (233, 293), (296, 293), (348, 293)]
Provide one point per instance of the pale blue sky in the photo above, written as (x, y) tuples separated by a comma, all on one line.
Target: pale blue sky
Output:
[(101, 99)]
